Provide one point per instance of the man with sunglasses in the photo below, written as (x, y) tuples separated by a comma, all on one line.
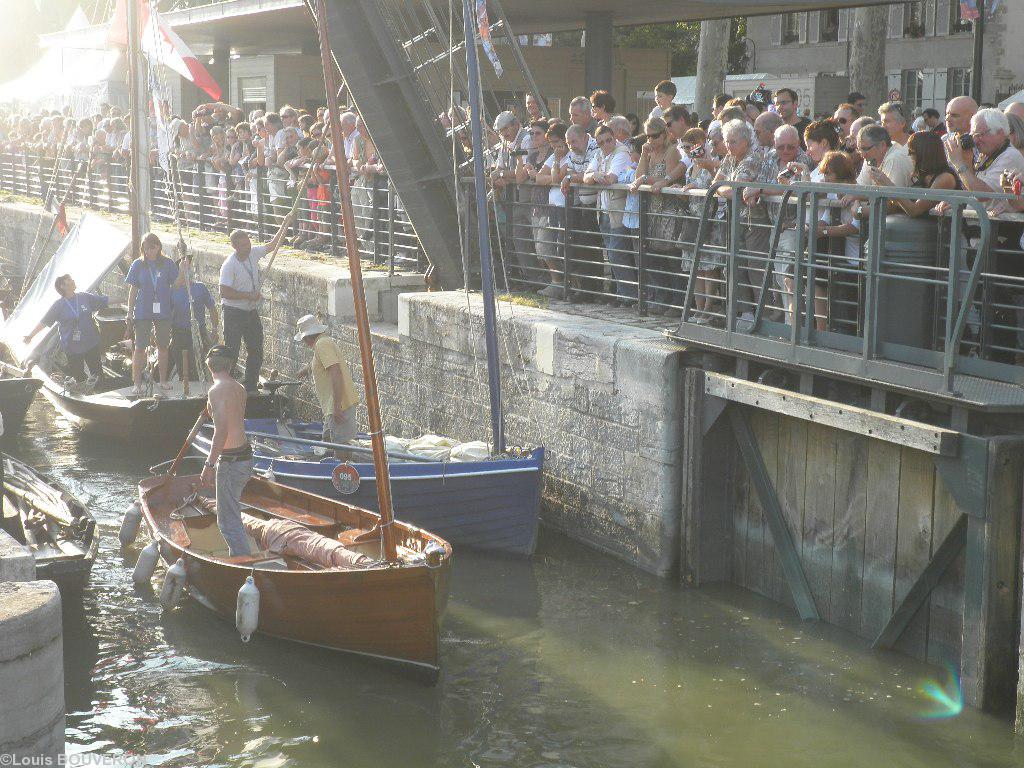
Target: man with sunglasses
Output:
[(844, 116), (879, 151)]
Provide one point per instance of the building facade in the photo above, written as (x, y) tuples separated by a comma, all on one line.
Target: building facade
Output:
[(929, 50)]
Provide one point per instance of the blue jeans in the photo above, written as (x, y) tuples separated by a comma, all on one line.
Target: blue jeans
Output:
[(231, 479), (618, 252)]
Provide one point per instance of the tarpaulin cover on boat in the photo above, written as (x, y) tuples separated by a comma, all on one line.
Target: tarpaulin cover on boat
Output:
[(87, 253)]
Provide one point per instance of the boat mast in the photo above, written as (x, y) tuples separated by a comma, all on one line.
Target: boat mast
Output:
[(483, 231), (380, 459), (138, 179)]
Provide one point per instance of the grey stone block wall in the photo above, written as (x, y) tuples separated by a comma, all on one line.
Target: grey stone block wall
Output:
[(603, 398)]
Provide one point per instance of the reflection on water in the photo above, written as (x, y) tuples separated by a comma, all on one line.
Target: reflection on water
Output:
[(571, 659)]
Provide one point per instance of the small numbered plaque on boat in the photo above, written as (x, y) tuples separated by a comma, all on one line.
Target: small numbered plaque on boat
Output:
[(345, 478)]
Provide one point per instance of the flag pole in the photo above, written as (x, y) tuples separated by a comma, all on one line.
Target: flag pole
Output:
[(138, 177)]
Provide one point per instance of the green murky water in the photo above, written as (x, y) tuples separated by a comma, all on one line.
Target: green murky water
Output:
[(570, 659)]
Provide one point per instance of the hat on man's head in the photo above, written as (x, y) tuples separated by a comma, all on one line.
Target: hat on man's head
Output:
[(308, 325), (221, 350), (504, 120)]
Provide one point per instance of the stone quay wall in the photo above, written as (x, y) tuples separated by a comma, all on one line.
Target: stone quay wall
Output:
[(603, 398)]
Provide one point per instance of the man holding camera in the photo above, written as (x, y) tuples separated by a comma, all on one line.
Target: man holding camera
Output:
[(511, 152), (996, 156)]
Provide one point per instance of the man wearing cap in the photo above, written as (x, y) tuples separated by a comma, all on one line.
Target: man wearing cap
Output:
[(230, 452), (512, 135), (331, 379), (515, 144)]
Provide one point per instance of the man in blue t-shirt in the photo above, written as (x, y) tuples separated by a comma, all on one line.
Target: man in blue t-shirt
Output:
[(150, 278), (79, 336), (182, 316)]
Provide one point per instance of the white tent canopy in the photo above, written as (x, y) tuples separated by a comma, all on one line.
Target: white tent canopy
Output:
[(65, 76)]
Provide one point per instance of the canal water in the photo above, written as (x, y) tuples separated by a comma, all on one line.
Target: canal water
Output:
[(569, 659)]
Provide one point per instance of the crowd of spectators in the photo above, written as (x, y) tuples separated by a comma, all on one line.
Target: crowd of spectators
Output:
[(217, 146), (553, 169), (764, 138)]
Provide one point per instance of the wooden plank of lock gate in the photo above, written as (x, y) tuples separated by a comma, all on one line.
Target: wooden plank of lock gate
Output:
[(761, 547), (791, 483), (914, 541), (819, 510), (883, 495), (849, 533), (849, 418), (946, 606)]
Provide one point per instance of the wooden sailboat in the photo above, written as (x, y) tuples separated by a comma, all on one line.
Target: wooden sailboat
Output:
[(384, 596), (492, 504), (58, 529), (374, 607)]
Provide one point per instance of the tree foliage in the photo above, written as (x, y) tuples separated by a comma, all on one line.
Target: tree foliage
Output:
[(682, 38)]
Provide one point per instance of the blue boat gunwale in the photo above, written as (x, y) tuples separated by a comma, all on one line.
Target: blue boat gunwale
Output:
[(428, 470)]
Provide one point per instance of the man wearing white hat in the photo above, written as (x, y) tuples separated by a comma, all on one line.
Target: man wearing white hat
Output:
[(331, 380), (508, 127)]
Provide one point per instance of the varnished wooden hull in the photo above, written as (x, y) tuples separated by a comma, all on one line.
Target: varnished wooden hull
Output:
[(388, 613), (157, 421)]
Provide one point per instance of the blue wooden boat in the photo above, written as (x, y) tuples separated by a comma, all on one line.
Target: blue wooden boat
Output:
[(492, 505)]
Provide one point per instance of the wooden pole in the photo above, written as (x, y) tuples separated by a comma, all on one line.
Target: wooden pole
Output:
[(380, 458)]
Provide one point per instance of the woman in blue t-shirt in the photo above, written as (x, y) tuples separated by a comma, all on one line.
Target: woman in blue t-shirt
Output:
[(79, 336), (182, 316)]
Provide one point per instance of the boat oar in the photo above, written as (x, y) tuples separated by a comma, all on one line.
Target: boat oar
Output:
[(338, 446), (173, 471), (290, 216)]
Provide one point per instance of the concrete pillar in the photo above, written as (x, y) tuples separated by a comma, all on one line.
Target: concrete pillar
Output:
[(867, 54), (712, 63), (599, 52), (31, 671)]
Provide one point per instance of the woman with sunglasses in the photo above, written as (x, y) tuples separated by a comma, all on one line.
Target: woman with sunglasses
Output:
[(658, 160)]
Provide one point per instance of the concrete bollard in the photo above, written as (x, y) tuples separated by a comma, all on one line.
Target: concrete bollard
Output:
[(16, 561), (31, 671)]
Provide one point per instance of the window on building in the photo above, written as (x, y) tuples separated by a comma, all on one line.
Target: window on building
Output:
[(912, 87), (790, 28), (913, 19), (958, 82), (253, 91), (829, 30), (957, 25)]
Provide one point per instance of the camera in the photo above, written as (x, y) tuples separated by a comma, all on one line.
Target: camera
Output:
[(789, 173), (966, 141), (519, 152), (697, 152)]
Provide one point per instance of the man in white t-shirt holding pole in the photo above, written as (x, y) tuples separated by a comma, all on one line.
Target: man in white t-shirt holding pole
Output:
[(240, 294)]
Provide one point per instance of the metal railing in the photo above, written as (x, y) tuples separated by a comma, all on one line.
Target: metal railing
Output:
[(256, 201), (929, 303)]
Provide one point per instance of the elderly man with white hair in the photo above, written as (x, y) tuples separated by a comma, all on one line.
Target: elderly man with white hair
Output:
[(622, 129), (743, 164), (991, 133)]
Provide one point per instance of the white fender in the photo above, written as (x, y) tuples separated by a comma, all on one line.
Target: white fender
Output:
[(174, 585), (247, 609), (146, 564), (130, 524)]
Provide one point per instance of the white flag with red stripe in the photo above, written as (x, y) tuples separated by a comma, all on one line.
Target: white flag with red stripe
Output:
[(162, 45)]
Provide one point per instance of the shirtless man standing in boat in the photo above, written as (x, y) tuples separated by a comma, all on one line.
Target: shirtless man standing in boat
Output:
[(230, 452)]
